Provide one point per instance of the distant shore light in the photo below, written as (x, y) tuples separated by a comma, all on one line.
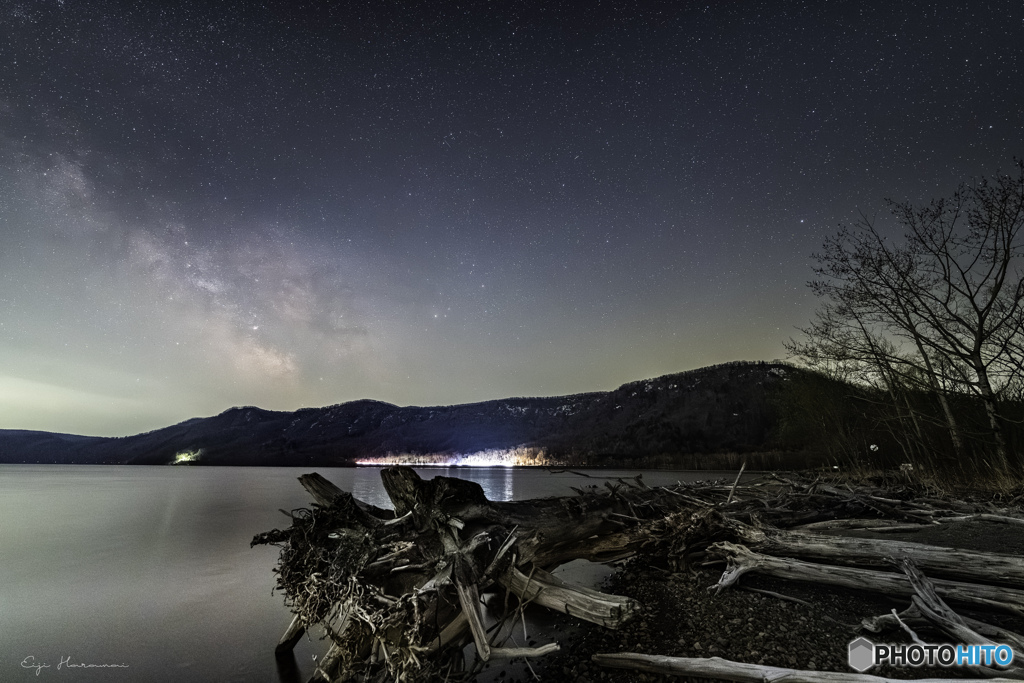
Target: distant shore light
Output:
[(186, 457), (514, 457)]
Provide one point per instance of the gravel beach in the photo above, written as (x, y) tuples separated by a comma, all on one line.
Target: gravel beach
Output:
[(681, 617)]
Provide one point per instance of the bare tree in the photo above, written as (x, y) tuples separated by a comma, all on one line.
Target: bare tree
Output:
[(943, 308)]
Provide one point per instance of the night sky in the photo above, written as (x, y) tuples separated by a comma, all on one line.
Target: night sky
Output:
[(282, 204)]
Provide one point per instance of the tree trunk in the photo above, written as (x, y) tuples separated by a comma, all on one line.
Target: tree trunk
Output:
[(994, 419), (954, 430)]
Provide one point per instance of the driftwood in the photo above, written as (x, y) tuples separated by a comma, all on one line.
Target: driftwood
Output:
[(936, 611), (914, 618), (291, 636), (983, 567), (398, 593), (742, 560)]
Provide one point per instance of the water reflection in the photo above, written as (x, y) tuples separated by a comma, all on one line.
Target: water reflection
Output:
[(151, 566), (366, 486), (497, 482), (288, 668)]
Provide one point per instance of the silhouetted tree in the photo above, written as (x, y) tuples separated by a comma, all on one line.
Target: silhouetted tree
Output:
[(941, 311)]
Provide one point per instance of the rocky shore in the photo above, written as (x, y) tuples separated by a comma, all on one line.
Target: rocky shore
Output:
[(682, 618), (780, 572)]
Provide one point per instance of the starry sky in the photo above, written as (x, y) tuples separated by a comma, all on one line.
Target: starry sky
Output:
[(291, 204)]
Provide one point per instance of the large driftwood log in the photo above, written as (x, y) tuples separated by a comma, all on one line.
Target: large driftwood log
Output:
[(982, 567), (399, 592), (550, 531), (742, 560), (876, 525), (914, 618), (549, 591), (935, 610), (291, 636)]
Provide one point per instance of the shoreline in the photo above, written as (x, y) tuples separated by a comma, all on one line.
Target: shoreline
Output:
[(680, 617)]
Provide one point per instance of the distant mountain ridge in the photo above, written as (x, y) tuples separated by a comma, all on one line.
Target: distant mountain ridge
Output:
[(721, 408)]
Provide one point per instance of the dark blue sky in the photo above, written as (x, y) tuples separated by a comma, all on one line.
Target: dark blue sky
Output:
[(212, 204)]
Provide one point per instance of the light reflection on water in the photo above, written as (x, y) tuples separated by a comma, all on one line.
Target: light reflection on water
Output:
[(151, 566), (495, 481)]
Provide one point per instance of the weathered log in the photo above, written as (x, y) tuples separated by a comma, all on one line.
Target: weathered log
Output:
[(741, 561), (323, 491), (551, 531), (325, 668), (327, 494), (291, 636), (469, 598), (936, 611), (967, 565), (394, 587), (549, 591), (913, 617), (716, 667), (983, 517), (876, 525)]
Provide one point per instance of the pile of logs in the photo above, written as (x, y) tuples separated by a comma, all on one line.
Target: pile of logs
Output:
[(398, 593)]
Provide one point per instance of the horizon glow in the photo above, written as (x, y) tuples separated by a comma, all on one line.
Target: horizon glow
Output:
[(303, 207)]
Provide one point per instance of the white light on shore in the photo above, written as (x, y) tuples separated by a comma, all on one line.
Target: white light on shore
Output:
[(489, 458), (186, 457)]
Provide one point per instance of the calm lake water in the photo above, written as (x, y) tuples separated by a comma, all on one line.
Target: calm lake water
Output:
[(150, 567)]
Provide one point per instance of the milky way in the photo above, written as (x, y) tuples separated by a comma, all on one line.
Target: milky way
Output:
[(211, 204)]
